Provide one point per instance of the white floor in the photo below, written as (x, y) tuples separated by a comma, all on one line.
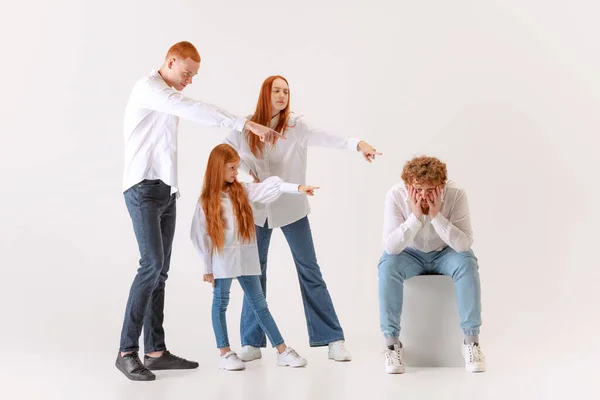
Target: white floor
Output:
[(81, 375)]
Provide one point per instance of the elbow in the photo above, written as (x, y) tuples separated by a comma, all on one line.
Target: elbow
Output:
[(391, 249), (463, 247)]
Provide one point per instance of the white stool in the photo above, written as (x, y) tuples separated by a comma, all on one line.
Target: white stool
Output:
[(430, 326)]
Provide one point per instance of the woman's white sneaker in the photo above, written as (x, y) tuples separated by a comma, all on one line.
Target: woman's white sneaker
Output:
[(474, 358), (289, 358), (393, 360), (338, 351), (249, 353), (231, 362)]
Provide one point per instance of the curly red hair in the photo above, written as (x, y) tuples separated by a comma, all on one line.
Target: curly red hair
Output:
[(425, 170)]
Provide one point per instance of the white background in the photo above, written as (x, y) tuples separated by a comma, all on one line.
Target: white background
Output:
[(505, 92)]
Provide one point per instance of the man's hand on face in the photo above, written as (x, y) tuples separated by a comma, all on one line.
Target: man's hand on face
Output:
[(434, 200), (415, 202)]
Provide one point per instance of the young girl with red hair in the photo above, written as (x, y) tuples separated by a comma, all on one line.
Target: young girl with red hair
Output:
[(223, 233)]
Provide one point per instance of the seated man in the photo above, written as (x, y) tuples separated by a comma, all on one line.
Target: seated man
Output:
[(427, 230)]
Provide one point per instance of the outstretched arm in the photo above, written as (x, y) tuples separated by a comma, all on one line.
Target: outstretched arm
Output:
[(273, 187), (154, 95), (320, 137)]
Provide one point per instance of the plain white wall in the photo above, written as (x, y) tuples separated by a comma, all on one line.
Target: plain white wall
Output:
[(506, 92)]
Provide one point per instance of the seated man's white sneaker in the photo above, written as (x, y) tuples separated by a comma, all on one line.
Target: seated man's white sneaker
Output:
[(393, 360), (474, 358), (289, 358), (249, 353), (338, 351), (231, 362)]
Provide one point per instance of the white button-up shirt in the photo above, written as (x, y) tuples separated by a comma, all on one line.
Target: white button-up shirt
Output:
[(151, 125), (451, 227), (236, 258), (286, 159)]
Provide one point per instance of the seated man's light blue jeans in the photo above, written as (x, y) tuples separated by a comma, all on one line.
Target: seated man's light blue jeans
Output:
[(395, 269)]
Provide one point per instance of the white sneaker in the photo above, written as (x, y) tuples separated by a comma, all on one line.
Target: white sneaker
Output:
[(289, 358), (231, 362), (474, 358), (338, 351), (393, 360), (249, 353)]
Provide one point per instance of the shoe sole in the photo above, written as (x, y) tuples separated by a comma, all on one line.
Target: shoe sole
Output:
[(475, 369), (395, 371), (232, 369), (169, 368), (135, 378), (346, 359), (250, 359), (291, 366)]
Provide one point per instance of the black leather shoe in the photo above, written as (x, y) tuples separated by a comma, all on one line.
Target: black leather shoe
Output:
[(131, 366), (168, 361)]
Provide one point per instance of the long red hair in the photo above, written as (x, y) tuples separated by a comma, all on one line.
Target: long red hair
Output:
[(262, 115), (214, 185)]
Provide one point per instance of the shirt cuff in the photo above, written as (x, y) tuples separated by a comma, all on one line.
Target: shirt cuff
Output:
[(289, 187), (353, 143), (239, 123), (208, 265), (413, 222), (439, 221)]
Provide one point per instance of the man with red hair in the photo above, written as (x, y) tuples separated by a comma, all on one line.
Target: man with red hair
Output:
[(151, 189), (427, 230)]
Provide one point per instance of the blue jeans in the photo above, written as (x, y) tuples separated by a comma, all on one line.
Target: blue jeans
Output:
[(321, 318), (395, 269), (153, 211), (253, 291)]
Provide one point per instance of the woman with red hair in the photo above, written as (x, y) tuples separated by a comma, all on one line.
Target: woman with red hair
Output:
[(224, 235), (287, 158)]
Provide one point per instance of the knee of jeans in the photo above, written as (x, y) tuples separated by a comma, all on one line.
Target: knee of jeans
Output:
[(221, 300), (152, 268), (467, 266), (155, 260), (259, 302), (391, 265)]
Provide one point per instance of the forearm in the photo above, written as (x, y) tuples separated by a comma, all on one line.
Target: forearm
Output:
[(400, 238), (457, 239)]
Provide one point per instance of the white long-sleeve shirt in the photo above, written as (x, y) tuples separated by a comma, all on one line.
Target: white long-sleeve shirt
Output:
[(236, 258), (287, 159), (451, 227), (151, 124)]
